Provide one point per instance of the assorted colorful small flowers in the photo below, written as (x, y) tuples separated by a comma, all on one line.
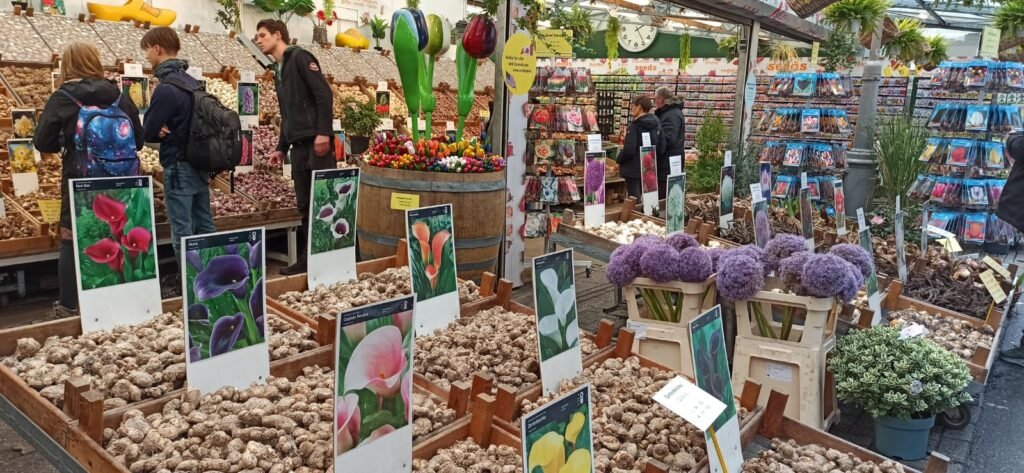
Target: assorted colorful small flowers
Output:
[(436, 155)]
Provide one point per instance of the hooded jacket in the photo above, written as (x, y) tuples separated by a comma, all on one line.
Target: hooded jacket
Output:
[(673, 128), (170, 106), (55, 132), (629, 156), (306, 100), (1011, 202)]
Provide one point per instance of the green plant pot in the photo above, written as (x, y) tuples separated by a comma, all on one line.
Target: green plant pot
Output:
[(903, 439)]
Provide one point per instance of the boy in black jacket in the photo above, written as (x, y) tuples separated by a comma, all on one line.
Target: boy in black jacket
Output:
[(187, 192), (307, 105)]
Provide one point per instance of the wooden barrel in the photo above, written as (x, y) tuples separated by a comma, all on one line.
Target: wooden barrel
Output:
[(478, 207)]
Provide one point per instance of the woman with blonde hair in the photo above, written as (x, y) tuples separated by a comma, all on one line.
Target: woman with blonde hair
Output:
[(82, 85)]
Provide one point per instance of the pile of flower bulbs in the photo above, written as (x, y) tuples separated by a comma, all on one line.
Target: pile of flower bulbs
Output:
[(788, 456), (624, 232), (956, 335), (467, 456), (149, 158), (223, 91)]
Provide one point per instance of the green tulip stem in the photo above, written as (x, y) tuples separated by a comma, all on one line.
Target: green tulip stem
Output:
[(466, 66), (653, 306), (426, 83), (787, 323), (407, 58), (763, 325)]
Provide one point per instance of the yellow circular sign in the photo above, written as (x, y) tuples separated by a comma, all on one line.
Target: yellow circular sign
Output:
[(519, 63)]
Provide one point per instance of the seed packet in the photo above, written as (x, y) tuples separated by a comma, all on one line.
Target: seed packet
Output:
[(917, 189), (783, 184), (804, 84), (1015, 75), (939, 74), (938, 115), (977, 118), (777, 83), (959, 153), (573, 116), (810, 121), (812, 185), (544, 150), (765, 154), (994, 155), (843, 122), (1016, 124), (581, 80), (976, 192), (977, 74), (566, 152), (941, 219), (794, 154), (930, 148), (954, 193), (995, 190), (938, 191), (590, 118), (974, 227), (775, 119), (558, 81)]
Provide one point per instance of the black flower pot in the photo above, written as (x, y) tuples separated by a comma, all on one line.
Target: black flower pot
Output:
[(359, 144)]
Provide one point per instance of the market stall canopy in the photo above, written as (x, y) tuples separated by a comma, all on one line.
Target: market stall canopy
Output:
[(772, 18)]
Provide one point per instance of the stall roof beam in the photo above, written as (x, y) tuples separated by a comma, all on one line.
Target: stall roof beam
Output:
[(980, 10), (744, 12), (931, 12)]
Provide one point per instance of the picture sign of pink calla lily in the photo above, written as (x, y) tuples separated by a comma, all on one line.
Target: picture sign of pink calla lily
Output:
[(432, 252), (431, 249)]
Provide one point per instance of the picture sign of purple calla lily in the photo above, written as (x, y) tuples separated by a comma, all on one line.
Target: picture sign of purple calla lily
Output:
[(373, 392), (224, 292), (333, 221)]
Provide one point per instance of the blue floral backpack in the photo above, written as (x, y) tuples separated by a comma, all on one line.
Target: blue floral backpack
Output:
[(104, 141)]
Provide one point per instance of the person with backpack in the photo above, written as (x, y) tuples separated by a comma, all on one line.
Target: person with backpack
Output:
[(85, 96), (306, 103), (168, 121)]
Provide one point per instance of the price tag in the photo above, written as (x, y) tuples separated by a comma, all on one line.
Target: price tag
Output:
[(639, 329), (940, 232), (382, 85), (247, 76), (897, 204), (728, 158), (131, 69), (950, 244), (803, 180), (646, 138), (988, 278), (485, 114), (755, 192), (594, 143), (449, 125), (675, 164), (861, 222), (386, 124), (336, 124), (1005, 273), (423, 124), (196, 72), (404, 201), (3, 209), (913, 330), (691, 403), (50, 208)]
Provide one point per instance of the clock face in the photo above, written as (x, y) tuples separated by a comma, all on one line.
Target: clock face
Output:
[(636, 38)]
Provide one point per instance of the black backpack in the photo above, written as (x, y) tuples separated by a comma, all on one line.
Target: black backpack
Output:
[(215, 132)]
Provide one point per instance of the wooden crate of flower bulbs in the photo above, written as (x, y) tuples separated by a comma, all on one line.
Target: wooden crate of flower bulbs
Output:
[(623, 384), (475, 441), (45, 366), (22, 233), (704, 231), (971, 338)]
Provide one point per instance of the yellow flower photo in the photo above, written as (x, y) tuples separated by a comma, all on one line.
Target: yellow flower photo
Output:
[(558, 435)]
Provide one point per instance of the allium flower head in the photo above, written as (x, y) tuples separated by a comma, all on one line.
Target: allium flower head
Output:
[(714, 254), (792, 268), (780, 248), (693, 265), (623, 266), (825, 276), (739, 277), (856, 255), (681, 241), (849, 291), (858, 278), (657, 262)]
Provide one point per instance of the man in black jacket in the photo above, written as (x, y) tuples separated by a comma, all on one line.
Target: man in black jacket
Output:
[(1011, 210), (306, 104), (673, 129), (629, 156)]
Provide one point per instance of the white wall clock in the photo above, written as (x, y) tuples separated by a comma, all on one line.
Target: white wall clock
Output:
[(636, 38)]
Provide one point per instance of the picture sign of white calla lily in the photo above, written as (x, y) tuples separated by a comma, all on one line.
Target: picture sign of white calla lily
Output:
[(558, 327)]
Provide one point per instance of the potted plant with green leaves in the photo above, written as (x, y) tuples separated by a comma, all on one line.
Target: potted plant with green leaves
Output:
[(378, 29), (902, 381), (359, 120)]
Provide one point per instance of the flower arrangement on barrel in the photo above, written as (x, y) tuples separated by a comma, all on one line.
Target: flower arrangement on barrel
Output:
[(114, 237), (435, 155), (227, 284)]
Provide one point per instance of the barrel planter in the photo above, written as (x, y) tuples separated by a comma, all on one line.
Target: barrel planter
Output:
[(478, 207)]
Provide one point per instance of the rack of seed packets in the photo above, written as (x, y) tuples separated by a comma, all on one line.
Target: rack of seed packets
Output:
[(811, 139), (966, 157)]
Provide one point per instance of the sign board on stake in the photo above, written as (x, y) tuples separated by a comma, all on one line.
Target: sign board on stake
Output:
[(871, 282), (675, 202), (998, 268), (560, 427), (117, 274), (331, 243), (675, 164), (594, 188), (691, 403), (649, 178), (727, 184), (360, 333), (24, 161), (725, 453), (50, 208), (988, 278), (840, 206), (223, 278), (990, 37), (901, 246), (430, 232), (558, 329)]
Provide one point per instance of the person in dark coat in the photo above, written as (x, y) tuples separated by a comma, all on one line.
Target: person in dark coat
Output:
[(1011, 210), (81, 76), (629, 157), (673, 130)]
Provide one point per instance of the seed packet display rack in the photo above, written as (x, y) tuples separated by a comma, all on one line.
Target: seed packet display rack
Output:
[(966, 158), (810, 135)]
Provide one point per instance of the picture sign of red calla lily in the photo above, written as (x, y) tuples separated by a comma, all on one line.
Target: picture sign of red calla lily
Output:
[(114, 236)]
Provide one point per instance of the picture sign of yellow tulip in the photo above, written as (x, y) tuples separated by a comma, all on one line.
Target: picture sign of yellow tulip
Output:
[(557, 437)]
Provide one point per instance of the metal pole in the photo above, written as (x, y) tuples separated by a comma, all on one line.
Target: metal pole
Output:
[(498, 129), (860, 176), (746, 84)]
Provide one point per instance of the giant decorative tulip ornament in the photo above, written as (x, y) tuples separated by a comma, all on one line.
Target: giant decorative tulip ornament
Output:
[(439, 37), (408, 37), (478, 42)]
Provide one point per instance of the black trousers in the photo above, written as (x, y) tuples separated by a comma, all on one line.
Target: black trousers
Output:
[(633, 187), (304, 161), (67, 275)]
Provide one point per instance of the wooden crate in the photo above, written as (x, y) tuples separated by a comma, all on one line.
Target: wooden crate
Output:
[(981, 363), (41, 242), (704, 232), (274, 213), (47, 416), (507, 411), (478, 426), (668, 342)]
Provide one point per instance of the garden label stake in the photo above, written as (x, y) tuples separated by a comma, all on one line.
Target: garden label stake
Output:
[(558, 437), (649, 178), (373, 390), (558, 328), (114, 238), (711, 373), (224, 296), (593, 189), (331, 243), (430, 232)]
